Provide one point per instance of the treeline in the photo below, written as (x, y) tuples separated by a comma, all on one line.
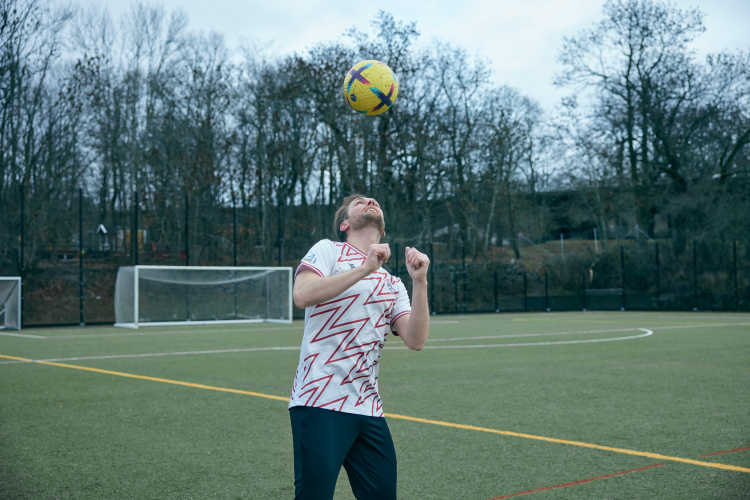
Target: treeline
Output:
[(652, 141)]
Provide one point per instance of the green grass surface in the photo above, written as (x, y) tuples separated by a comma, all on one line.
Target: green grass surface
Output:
[(681, 392)]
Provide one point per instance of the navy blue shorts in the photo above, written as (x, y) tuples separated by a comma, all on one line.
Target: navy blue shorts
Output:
[(324, 440)]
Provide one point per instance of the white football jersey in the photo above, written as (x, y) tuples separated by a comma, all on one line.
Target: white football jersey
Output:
[(344, 336)]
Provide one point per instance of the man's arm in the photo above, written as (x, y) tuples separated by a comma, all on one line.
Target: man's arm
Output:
[(310, 289), (413, 328)]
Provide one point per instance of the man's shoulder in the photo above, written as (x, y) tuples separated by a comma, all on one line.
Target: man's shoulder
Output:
[(326, 242), (326, 245), (322, 248)]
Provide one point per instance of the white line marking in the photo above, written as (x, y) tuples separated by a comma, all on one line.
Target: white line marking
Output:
[(261, 329), (162, 332), (582, 332), (22, 335), (547, 334), (647, 333), (296, 348), (707, 325), (558, 342), (159, 354)]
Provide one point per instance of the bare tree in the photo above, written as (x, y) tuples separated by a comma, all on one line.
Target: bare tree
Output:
[(38, 123), (636, 43)]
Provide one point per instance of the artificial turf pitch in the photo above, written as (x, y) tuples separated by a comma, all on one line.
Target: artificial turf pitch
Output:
[(547, 405)]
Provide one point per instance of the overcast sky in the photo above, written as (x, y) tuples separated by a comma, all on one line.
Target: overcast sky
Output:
[(521, 38)]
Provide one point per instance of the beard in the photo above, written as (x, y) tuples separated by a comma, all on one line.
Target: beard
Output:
[(367, 219)]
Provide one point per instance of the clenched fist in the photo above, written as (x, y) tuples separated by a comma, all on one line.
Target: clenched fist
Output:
[(377, 255), (417, 264)]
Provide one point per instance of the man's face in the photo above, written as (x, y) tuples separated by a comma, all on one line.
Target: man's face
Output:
[(363, 212)]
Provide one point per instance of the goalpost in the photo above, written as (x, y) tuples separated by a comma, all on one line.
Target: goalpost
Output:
[(10, 302), (180, 295)]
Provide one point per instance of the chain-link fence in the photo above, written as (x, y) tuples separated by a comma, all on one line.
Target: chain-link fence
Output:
[(626, 275), (69, 268)]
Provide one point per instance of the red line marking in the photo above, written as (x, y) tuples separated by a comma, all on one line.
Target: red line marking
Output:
[(580, 481), (605, 476), (725, 451)]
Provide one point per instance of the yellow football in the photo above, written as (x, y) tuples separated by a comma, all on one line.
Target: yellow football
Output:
[(370, 87)]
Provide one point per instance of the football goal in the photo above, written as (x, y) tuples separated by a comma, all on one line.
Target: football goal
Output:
[(179, 295), (10, 302)]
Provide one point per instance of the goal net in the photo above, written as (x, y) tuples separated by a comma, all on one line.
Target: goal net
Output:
[(10, 303), (176, 295)]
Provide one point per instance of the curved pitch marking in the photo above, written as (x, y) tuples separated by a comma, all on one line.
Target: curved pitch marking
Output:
[(646, 333)]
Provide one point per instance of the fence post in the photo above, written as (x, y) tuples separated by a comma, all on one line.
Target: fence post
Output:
[(494, 278), (695, 277), (187, 232), (736, 281), (234, 232), (546, 292), (134, 235), (234, 254), (464, 289), (463, 272), (622, 278), (432, 278), (81, 286), (21, 230), (658, 275), (21, 238), (455, 291), (583, 288), (187, 253), (525, 293)]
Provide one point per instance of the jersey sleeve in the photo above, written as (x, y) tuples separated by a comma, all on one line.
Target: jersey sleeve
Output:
[(402, 305), (320, 259)]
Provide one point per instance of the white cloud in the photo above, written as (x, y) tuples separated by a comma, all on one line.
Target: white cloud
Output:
[(520, 38)]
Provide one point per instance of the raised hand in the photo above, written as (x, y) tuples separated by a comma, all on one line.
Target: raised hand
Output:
[(417, 264), (377, 255)]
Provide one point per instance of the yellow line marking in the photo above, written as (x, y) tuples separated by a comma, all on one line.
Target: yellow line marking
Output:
[(655, 456), (152, 379)]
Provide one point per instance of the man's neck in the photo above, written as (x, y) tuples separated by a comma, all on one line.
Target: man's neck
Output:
[(363, 238)]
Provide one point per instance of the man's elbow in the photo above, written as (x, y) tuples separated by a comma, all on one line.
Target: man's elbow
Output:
[(415, 346), (300, 299)]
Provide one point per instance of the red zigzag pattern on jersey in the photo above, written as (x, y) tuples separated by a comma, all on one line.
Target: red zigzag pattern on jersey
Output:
[(347, 347)]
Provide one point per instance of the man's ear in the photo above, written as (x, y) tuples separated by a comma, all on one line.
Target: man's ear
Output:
[(343, 226)]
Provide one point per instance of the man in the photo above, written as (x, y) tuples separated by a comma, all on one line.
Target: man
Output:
[(350, 303)]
